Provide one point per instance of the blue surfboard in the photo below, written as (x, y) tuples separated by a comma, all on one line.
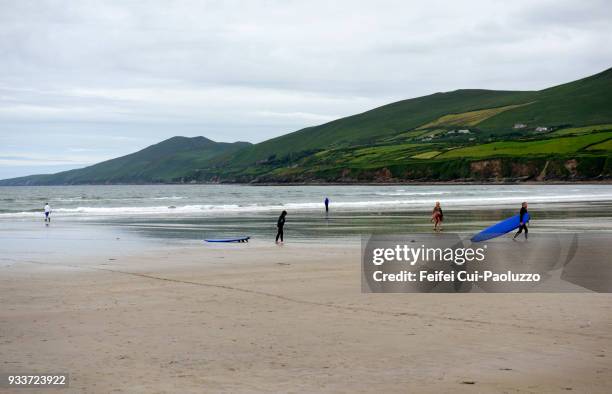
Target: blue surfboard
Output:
[(239, 239), (500, 228)]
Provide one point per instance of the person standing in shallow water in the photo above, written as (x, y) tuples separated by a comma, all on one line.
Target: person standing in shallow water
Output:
[(326, 204), (522, 222), (437, 217), (280, 224), (47, 209)]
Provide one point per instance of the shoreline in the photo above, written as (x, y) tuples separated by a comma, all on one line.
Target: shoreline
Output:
[(405, 183)]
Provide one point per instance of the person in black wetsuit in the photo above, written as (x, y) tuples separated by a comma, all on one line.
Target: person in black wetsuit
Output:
[(280, 224), (522, 222), (326, 204)]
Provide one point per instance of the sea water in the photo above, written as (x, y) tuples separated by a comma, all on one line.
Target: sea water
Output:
[(195, 212)]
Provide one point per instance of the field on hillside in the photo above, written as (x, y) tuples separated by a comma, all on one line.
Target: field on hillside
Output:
[(471, 118), (581, 130), (365, 157), (603, 146), (528, 148), (387, 155)]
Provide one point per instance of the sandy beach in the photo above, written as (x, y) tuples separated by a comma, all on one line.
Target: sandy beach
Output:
[(305, 197), (258, 317)]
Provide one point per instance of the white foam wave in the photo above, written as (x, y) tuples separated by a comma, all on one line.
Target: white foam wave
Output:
[(383, 204), (99, 199), (404, 193)]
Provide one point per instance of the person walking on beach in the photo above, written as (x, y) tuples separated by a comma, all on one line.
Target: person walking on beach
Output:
[(280, 224), (47, 213), (326, 204), (437, 217), (522, 222)]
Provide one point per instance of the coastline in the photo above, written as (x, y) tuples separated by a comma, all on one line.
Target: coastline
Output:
[(405, 183), (127, 299)]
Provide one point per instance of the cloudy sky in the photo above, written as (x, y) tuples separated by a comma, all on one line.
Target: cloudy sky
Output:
[(84, 81)]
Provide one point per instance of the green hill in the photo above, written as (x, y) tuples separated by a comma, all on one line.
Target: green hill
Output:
[(562, 132), (583, 102), (376, 124), (166, 161)]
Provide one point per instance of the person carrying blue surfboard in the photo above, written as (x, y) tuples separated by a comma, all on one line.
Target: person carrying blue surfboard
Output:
[(522, 222)]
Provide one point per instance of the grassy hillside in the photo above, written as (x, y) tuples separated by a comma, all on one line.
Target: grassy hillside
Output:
[(408, 154), (529, 148), (468, 119), (579, 103), (562, 132), (166, 161), (490, 114), (378, 123)]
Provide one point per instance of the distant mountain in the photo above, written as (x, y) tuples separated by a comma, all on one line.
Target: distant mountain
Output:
[(166, 161), (563, 132)]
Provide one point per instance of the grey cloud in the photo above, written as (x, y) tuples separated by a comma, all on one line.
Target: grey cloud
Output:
[(253, 70)]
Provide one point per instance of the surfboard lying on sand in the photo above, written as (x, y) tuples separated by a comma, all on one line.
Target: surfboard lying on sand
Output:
[(500, 228), (239, 239)]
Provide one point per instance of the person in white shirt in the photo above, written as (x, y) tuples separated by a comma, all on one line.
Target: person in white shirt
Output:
[(47, 212)]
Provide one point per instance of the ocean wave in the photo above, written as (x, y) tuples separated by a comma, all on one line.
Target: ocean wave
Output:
[(383, 204), (404, 193), (99, 199), (167, 198)]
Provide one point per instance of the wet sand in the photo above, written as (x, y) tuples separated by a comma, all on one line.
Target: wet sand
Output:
[(257, 317)]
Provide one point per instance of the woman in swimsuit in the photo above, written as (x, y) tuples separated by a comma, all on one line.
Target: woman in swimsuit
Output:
[(437, 217)]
